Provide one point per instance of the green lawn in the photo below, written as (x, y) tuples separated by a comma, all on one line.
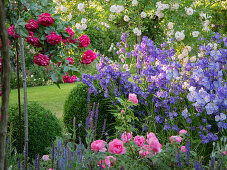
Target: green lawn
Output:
[(50, 97)]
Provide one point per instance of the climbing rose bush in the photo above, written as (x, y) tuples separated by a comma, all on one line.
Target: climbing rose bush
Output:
[(46, 20), (88, 57)]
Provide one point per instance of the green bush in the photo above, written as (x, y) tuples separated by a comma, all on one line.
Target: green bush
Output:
[(43, 127), (76, 106)]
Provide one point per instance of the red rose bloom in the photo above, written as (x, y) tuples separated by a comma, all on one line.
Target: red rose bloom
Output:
[(88, 57), (33, 40), (70, 31), (53, 39), (41, 60), (68, 79), (84, 41), (12, 33), (46, 20), (32, 25)]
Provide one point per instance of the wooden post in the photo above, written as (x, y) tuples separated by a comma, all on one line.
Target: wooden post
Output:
[(5, 85), (25, 101)]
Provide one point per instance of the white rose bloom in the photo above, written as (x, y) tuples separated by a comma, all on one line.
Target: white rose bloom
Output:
[(170, 25), (119, 8), (175, 6), (83, 26), (170, 32), (81, 7), (185, 52), (166, 6), (200, 54), (78, 26), (134, 3), (70, 16), (189, 11), (159, 14), (189, 48), (107, 0), (195, 33), (63, 9), (126, 18), (113, 8), (179, 35), (137, 31), (193, 59), (143, 14), (83, 20)]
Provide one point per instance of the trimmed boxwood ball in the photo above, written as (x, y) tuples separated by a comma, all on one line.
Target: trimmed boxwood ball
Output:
[(43, 127), (76, 106)]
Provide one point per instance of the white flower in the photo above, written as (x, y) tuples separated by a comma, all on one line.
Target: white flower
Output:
[(125, 66), (189, 11), (107, 0), (137, 31), (185, 52), (113, 8), (159, 14), (119, 9), (180, 56), (126, 18), (179, 35), (206, 23), (195, 33), (78, 26), (170, 25), (70, 16), (200, 54), (63, 9), (175, 6), (83, 26), (134, 3), (193, 59), (189, 48), (81, 7), (166, 6), (143, 14), (107, 25), (83, 20), (111, 17), (169, 33)]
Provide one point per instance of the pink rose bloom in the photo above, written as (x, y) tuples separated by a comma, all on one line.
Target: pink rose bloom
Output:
[(32, 25), (50, 169), (46, 20), (177, 139), (98, 145), (88, 57), (116, 146), (224, 152), (182, 131), (183, 149), (33, 40), (133, 98), (110, 160), (139, 140), (84, 41), (45, 157), (154, 145), (53, 38), (144, 153), (70, 60), (41, 60), (150, 135), (12, 33), (102, 164), (70, 31), (68, 79), (126, 137)]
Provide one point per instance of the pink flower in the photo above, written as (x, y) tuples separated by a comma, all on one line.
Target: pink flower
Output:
[(98, 145), (182, 131), (133, 98), (88, 57), (84, 41), (46, 20), (183, 149), (224, 152), (45, 157), (154, 145), (144, 153), (126, 137), (150, 135), (139, 140), (68, 79), (53, 38), (70, 31), (116, 146), (12, 33), (41, 60), (177, 139), (50, 169), (70, 60), (33, 40), (32, 25), (102, 164)]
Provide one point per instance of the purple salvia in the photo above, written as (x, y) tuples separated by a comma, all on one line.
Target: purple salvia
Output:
[(96, 118), (57, 165), (212, 163), (187, 146), (87, 122), (53, 154), (19, 164), (178, 157)]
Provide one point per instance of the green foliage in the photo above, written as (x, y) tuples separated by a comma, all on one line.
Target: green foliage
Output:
[(43, 127), (76, 106)]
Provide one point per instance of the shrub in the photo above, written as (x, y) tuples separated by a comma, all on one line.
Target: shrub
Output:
[(43, 127), (76, 106)]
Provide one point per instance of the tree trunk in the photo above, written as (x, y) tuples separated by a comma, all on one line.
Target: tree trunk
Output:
[(25, 101), (5, 86)]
